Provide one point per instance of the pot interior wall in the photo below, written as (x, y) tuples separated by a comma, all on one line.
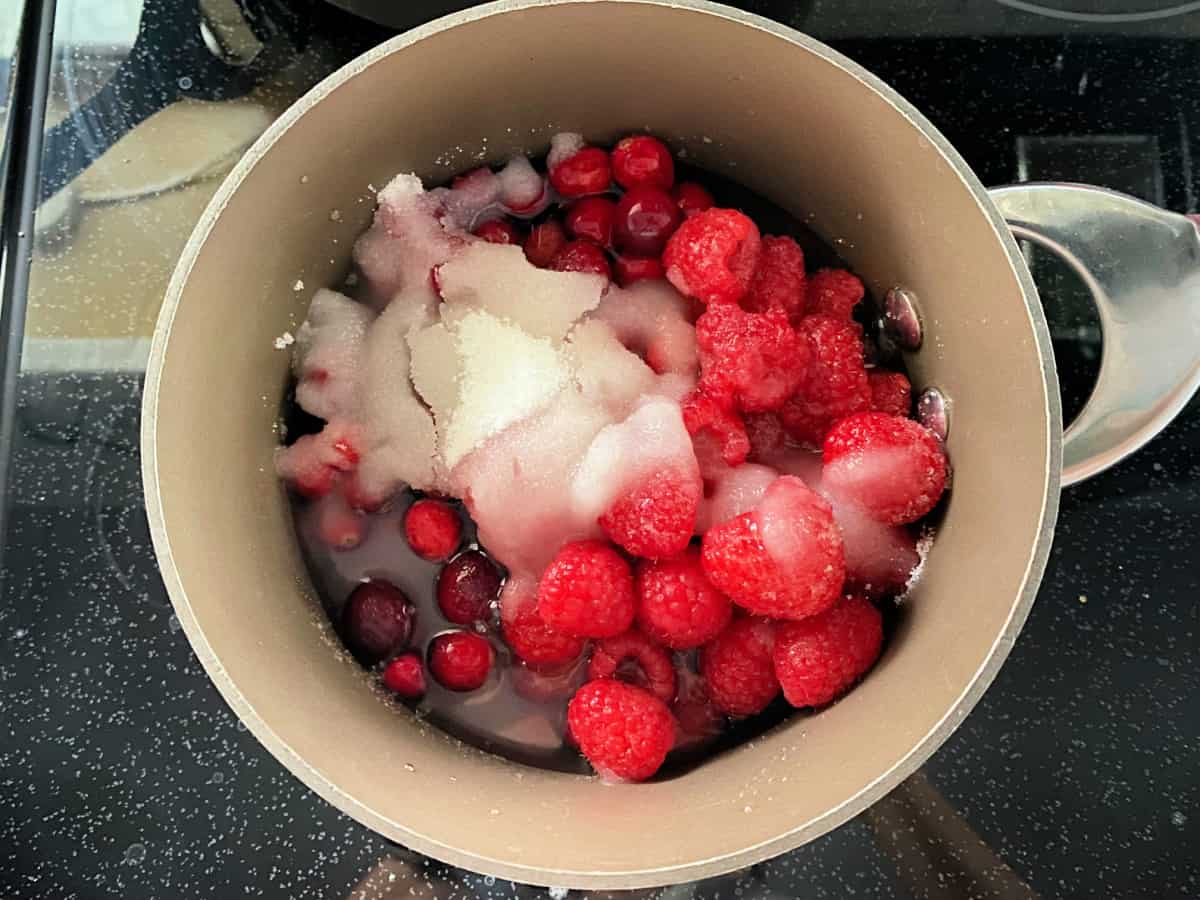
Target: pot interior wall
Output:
[(744, 101)]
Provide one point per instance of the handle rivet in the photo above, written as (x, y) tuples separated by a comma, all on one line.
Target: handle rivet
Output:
[(900, 318), (933, 411)]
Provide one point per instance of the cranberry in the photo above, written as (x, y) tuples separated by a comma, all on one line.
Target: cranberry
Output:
[(377, 620), (433, 529), (592, 218), (544, 242), (405, 675), (642, 159), (692, 198), (581, 256), (460, 660), (646, 219), (466, 587), (586, 172), (340, 527), (498, 231), (638, 268)]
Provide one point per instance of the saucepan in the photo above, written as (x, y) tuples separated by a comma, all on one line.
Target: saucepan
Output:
[(821, 137)]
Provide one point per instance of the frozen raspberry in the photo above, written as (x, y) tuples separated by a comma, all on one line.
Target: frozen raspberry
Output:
[(783, 559), (466, 588), (587, 591), (892, 468), (624, 731), (834, 292), (837, 380), (737, 667), (692, 198), (544, 243), (712, 255), (530, 638), (779, 280), (377, 621), (641, 159), (755, 359), (498, 231), (818, 659), (592, 219), (702, 413), (634, 658), (433, 529), (656, 517), (460, 660), (767, 436), (405, 675), (676, 604), (637, 268), (890, 392), (585, 172), (581, 256), (646, 218)]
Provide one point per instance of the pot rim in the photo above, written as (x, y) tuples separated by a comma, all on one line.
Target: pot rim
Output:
[(696, 869)]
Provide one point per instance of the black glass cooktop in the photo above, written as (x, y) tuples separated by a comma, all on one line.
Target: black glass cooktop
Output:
[(123, 774)]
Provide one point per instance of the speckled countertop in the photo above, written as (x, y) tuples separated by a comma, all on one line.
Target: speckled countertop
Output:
[(123, 774)]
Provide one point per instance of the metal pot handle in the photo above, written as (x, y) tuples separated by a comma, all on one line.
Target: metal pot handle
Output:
[(1142, 266)]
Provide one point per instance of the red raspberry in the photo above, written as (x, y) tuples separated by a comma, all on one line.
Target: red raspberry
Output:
[(834, 292), (433, 529), (692, 198), (677, 605), (651, 665), (405, 675), (890, 392), (712, 255), (703, 413), (818, 659), (377, 620), (893, 468), (766, 434), (641, 159), (779, 280), (754, 358), (646, 218), (460, 660), (737, 667), (530, 638), (624, 732), (466, 588), (586, 591), (586, 172), (783, 559), (544, 243), (837, 380), (581, 256), (592, 219), (498, 231), (638, 268), (657, 516)]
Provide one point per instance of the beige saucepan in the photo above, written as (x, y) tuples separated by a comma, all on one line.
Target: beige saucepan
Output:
[(800, 124)]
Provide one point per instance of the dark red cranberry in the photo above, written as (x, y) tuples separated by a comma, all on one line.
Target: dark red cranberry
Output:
[(646, 218), (433, 529), (377, 621), (638, 268), (692, 198), (544, 242), (467, 587), (460, 660), (592, 218), (498, 231), (587, 172), (405, 675), (582, 256), (642, 159)]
